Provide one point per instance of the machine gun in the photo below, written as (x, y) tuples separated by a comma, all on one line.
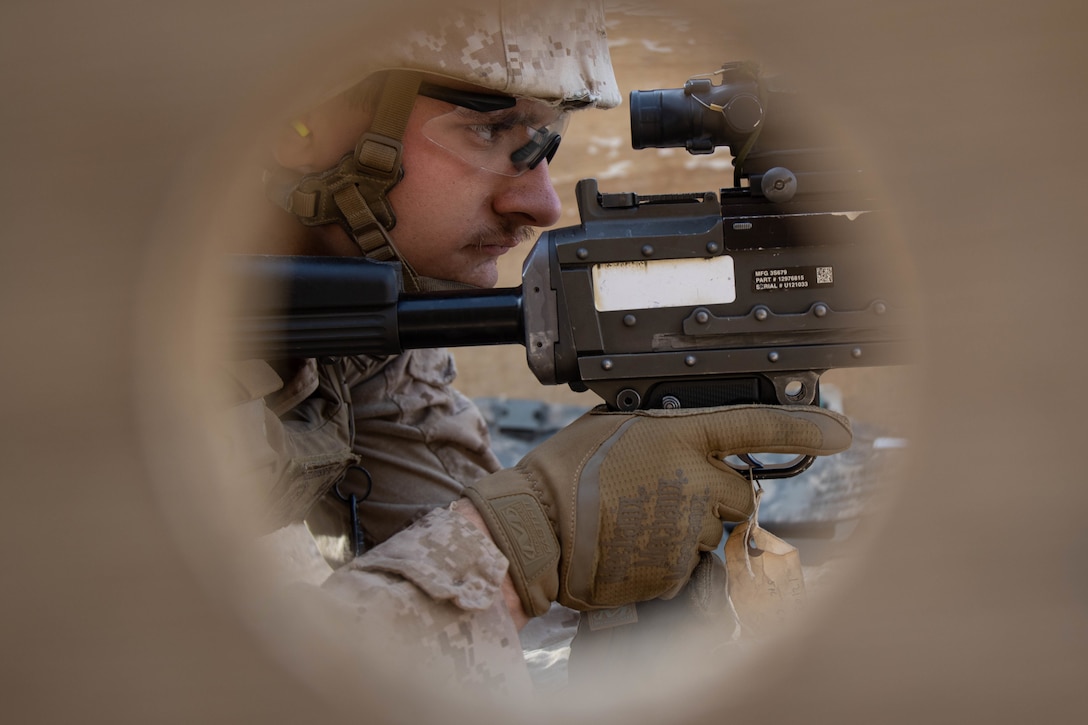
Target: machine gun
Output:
[(652, 301)]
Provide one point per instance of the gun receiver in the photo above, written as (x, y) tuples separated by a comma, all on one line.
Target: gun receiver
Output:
[(679, 301)]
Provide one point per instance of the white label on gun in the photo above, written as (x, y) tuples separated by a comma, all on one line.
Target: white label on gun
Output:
[(646, 285)]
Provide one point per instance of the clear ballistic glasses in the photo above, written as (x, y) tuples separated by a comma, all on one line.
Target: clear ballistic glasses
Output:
[(500, 134)]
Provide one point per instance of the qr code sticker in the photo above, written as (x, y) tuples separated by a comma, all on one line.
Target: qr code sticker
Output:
[(824, 275)]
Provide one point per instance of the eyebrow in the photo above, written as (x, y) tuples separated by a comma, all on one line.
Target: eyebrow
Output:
[(508, 117)]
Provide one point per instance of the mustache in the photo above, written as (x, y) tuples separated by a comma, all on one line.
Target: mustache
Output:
[(507, 235)]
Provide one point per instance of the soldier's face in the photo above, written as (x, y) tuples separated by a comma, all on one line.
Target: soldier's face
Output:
[(454, 218)]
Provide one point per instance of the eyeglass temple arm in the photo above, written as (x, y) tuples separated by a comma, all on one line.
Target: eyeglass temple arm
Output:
[(481, 102)]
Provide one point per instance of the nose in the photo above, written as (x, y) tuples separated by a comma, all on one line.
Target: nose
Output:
[(529, 197)]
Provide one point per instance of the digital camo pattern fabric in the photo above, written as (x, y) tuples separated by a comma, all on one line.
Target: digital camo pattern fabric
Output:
[(418, 438), (434, 590), (392, 431)]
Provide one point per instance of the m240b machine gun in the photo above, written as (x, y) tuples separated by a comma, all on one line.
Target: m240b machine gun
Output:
[(652, 301)]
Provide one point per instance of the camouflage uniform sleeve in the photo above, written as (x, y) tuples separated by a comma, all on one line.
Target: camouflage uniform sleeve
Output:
[(434, 590)]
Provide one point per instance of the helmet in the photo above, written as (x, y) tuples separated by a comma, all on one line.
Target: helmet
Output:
[(554, 52)]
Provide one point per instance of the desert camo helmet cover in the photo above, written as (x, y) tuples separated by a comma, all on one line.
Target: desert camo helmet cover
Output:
[(556, 52)]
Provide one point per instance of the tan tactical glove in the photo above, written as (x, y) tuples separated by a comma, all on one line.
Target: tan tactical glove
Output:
[(616, 507)]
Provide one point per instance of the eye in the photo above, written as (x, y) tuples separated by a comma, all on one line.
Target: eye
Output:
[(491, 133)]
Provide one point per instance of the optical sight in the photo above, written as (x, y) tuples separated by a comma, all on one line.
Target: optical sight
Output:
[(700, 116), (779, 151)]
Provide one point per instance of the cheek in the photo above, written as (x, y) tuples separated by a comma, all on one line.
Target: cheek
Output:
[(436, 193), (425, 220)]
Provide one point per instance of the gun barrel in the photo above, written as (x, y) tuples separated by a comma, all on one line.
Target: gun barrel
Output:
[(335, 306), (461, 319)]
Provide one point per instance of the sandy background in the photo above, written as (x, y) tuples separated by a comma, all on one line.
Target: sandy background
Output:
[(118, 122)]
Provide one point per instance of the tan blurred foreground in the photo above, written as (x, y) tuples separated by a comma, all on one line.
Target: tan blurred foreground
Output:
[(970, 600)]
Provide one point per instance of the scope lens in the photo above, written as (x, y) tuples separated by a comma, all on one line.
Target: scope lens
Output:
[(659, 119)]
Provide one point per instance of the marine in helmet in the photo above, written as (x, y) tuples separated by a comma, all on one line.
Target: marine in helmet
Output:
[(434, 152), (439, 159)]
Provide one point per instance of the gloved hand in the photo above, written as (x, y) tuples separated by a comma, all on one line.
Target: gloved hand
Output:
[(616, 507)]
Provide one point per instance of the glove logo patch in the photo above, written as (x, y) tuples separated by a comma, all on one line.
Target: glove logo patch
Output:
[(528, 530)]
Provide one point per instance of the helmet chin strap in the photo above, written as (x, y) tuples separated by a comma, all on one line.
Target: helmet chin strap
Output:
[(354, 193)]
